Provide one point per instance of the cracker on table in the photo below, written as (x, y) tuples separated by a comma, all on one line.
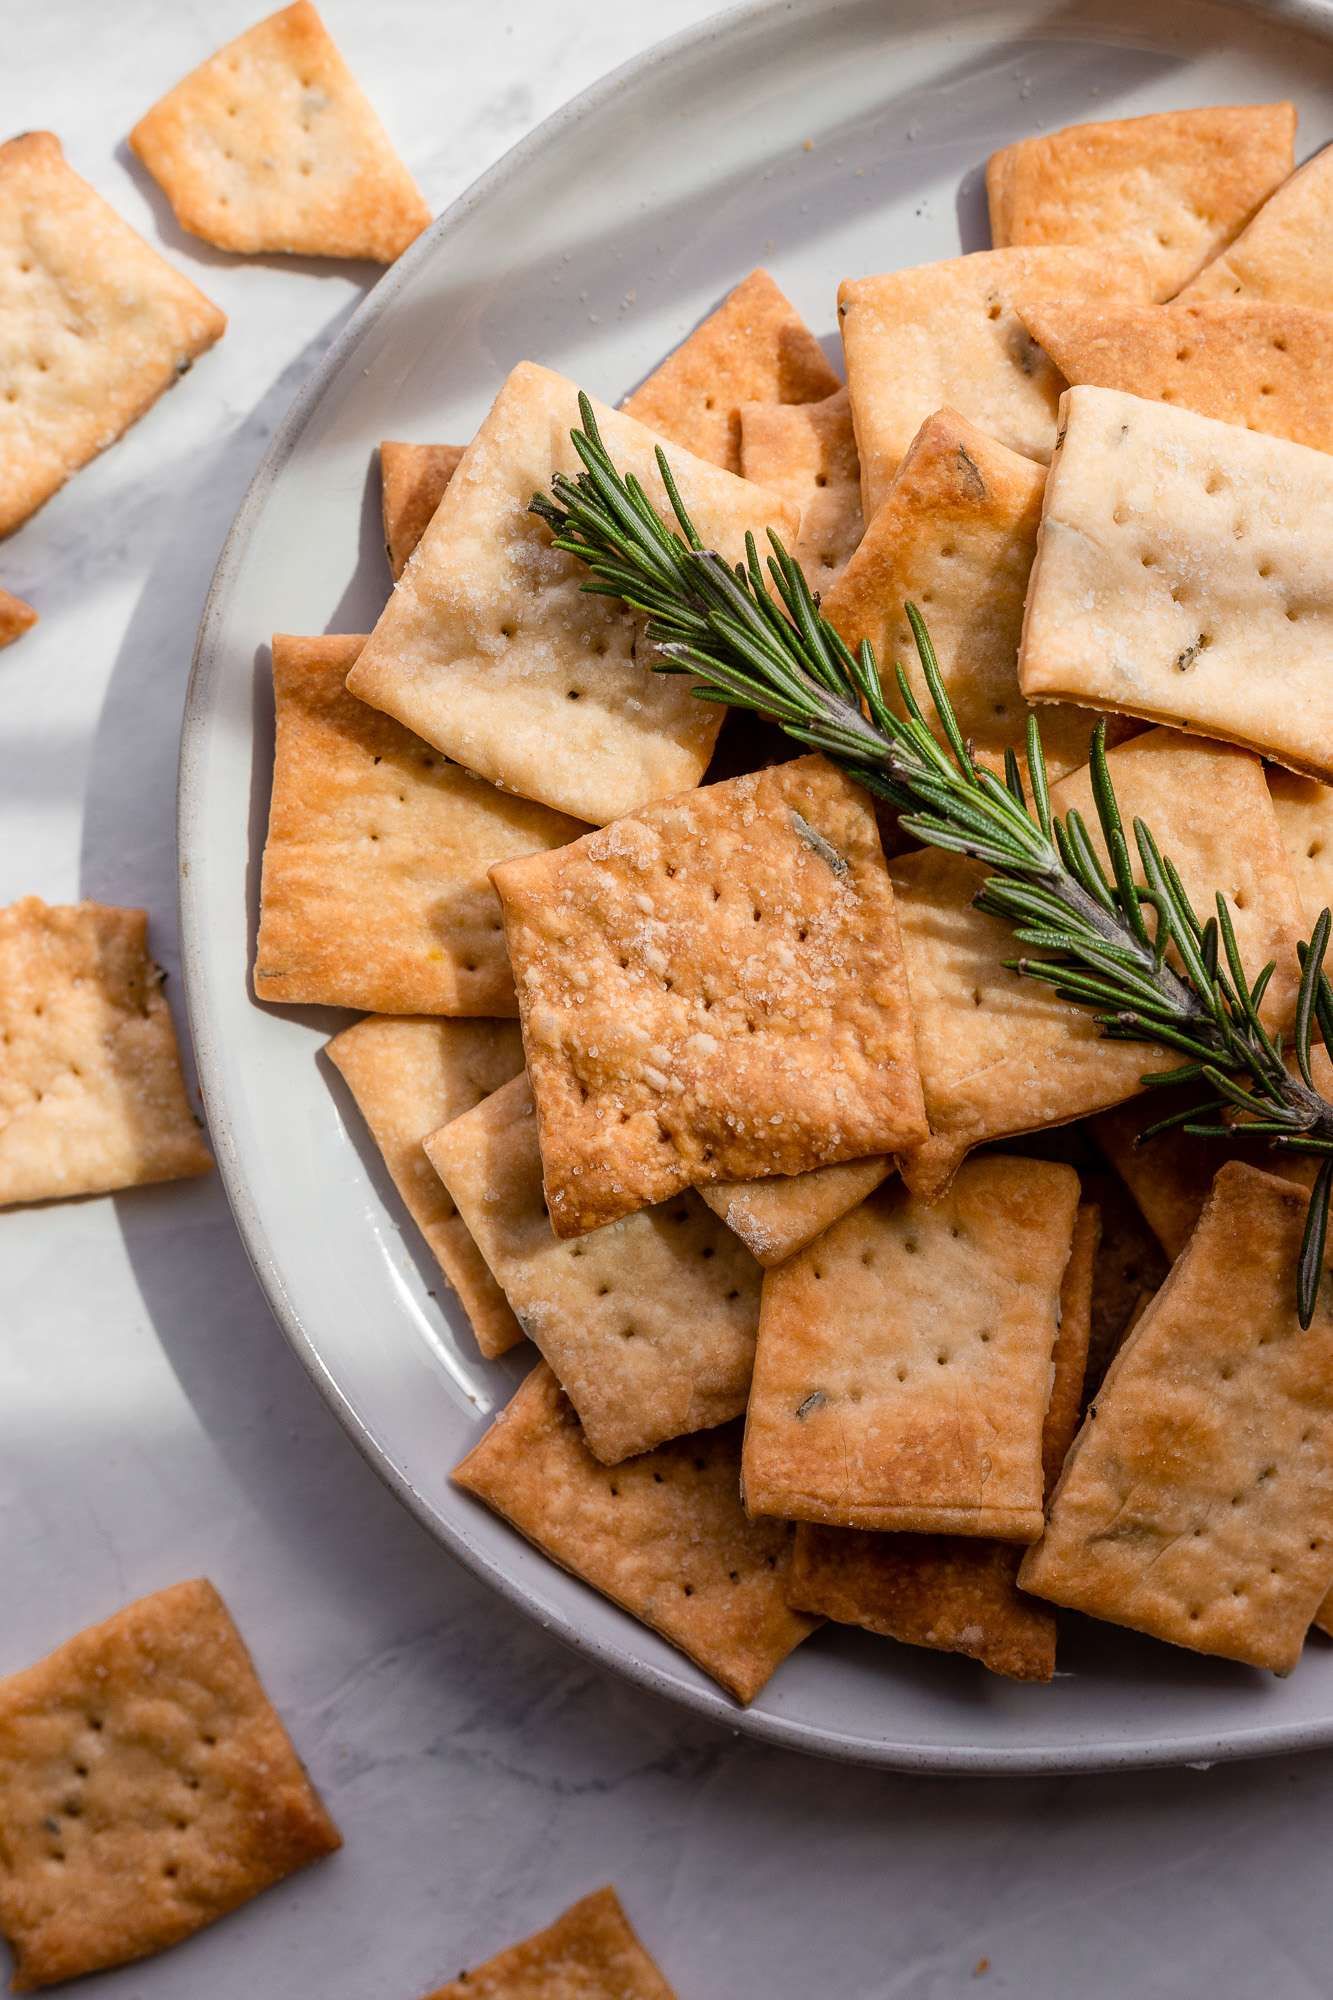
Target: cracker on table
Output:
[(491, 649), (1173, 188), (663, 1535), (272, 145), (147, 1787), (712, 990), (588, 1953), (412, 482), (1182, 576), (807, 453), (904, 1359), (648, 1324), (1000, 1054), (91, 1092), (755, 348), (16, 618), (775, 1218), (94, 325), (409, 1074), (1197, 1502), (1286, 253), (1304, 811), (375, 891)]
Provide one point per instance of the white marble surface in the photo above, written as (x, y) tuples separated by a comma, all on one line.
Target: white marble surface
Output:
[(154, 1426)]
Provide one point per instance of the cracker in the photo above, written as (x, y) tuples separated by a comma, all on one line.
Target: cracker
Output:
[(777, 1217), (712, 990), (1286, 253), (491, 649), (375, 891), (91, 1092), (755, 348), (1197, 1502), (16, 618), (408, 1076), (807, 453), (949, 335), (649, 1324), (1173, 188), (147, 1787), (1264, 367), (1182, 576), (1304, 811), (412, 479), (904, 1359), (272, 145), (1000, 1054), (589, 1953), (94, 325), (1130, 1267), (664, 1535), (1323, 1618)]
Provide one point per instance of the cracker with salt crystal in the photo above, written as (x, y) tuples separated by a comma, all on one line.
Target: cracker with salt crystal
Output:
[(412, 482), (94, 325), (588, 1953), (904, 1359), (1197, 1502), (1173, 188), (1286, 253), (649, 1324), (408, 1075), (491, 649), (16, 618), (664, 1535), (807, 453), (1304, 811), (272, 145), (1000, 1054), (755, 348), (374, 891), (147, 1787), (91, 1092), (775, 1218), (712, 990), (1182, 576)]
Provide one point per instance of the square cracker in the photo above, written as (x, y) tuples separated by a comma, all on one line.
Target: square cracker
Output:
[(147, 1787), (94, 325), (272, 145), (807, 453), (16, 618), (1197, 1502), (712, 990), (589, 1953), (949, 335), (664, 1535), (775, 1218), (1286, 253), (904, 1360), (1000, 1054), (1304, 811), (649, 1324), (491, 649), (375, 890), (951, 1592), (1182, 575), (408, 1076), (755, 348), (1173, 187), (91, 1092), (412, 481)]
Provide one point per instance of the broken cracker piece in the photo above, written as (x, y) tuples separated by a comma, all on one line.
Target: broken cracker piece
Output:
[(16, 618), (589, 1953), (807, 453), (775, 1218), (412, 479), (1286, 253)]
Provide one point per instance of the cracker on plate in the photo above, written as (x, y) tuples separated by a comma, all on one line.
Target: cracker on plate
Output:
[(1182, 576), (664, 1535), (16, 618), (1197, 1502), (904, 1359), (649, 1324), (1173, 187), (409, 1074), (1286, 253), (412, 482), (588, 1953), (712, 990), (491, 649), (91, 1092), (94, 325), (807, 453), (1129, 1268), (272, 145), (375, 890), (755, 348), (147, 1787), (775, 1218), (1304, 811)]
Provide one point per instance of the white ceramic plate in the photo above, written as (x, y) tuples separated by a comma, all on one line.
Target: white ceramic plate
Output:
[(824, 140)]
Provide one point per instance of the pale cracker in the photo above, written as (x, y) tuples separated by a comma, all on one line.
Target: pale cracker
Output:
[(589, 1953), (1286, 253), (664, 1535), (712, 990), (775, 1218), (807, 453), (1304, 811), (16, 618), (412, 482), (272, 145), (375, 890), (649, 1324), (147, 1787), (94, 325), (1173, 188), (1182, 575), (408, 1076), (491, 649)]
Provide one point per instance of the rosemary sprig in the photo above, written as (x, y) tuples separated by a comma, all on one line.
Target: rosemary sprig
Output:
[(1140, 957)]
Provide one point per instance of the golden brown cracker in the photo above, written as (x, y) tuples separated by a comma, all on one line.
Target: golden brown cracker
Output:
[(1285, 253), (412, 482), (588, 1953), (807, 453), (775, 1218), (1304, 811), (16, 618)]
